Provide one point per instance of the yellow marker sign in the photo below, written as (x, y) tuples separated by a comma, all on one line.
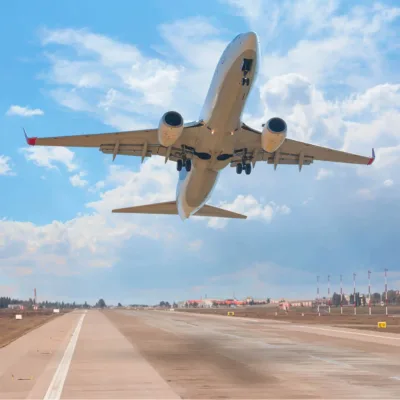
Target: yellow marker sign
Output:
[(381, 324), (231, 313)]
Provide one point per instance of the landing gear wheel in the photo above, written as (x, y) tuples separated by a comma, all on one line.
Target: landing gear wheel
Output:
[(179, 165), (239, 168), (247, 81), (188, 165), (243, 81), (248, 169)]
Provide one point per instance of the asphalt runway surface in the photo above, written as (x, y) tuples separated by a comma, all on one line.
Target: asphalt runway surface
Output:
[(121, 354)]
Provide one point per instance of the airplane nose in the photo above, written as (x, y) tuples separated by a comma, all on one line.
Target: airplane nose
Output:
[(251, 40)]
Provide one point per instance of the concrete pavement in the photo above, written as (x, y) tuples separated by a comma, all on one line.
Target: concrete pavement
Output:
[(167, 355), (103, 365)]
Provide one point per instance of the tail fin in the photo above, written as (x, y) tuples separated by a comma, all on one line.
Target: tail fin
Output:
[(169, 208)]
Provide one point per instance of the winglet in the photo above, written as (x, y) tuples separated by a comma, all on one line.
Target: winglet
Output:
[(372, 159), (31, 141)]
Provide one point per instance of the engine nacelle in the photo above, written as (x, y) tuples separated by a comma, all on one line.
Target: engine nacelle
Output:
[(273, 135), (170, 128)]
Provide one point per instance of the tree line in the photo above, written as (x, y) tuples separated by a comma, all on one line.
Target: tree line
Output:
[(362, 300), (6, 301)]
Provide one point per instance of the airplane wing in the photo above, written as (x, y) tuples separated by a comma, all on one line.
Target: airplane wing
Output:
[(142, 143), (292, 152)]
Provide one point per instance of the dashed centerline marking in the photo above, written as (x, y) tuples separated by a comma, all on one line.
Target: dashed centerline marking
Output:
[(57, 384)]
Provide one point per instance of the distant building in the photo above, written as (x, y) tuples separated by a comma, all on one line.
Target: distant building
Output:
[(16, 306), (301, 303), (284, 305)]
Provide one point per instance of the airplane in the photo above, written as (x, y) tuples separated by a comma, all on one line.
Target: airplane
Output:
[(203, 148)]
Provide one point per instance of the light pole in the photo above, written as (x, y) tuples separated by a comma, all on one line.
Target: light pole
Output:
[(369, 292), (341, 295), (329, 293), (318, 293), (386, 270), (354, 294)]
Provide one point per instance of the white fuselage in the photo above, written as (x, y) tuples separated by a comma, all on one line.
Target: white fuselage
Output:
[(221, 118)]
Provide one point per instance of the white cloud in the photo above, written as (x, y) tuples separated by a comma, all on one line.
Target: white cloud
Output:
[(323, 174), (294, 98), (24, 111), (48, 156), (250, 9), (358, 37), (366, 193), (77, 180), (64, 248), (308, 200), (93, 240), (154, 182), (377, 99), (97, 186), (111, 80), (5, 167), (251, 207), (195, 245), (124, 88), (388, 182)]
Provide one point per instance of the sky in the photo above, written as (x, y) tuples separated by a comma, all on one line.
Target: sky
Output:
[(329, 68)]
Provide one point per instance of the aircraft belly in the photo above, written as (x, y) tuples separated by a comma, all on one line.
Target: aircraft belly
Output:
[(230, 98), (196, 189), (199, 186)]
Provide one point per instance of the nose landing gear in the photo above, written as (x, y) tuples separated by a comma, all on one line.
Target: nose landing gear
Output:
[(246, 68)]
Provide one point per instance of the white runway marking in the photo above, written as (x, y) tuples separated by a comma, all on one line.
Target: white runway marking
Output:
[(57, 384), (396, 378), (330, 361), (355, 334)]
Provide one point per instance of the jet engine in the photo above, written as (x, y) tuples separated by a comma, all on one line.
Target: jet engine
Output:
[(170, 128), (273, 134)]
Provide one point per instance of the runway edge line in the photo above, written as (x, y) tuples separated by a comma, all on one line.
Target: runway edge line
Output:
[(57, 383)]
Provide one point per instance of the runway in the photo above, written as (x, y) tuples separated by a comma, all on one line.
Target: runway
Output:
[(119, 354)]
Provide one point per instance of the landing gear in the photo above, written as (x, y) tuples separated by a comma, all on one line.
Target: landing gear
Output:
[(248, 169), (187, 163), (246, 68), (242, 166)]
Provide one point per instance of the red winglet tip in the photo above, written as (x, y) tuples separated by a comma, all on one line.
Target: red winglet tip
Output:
[(372, 159), (31, 141)]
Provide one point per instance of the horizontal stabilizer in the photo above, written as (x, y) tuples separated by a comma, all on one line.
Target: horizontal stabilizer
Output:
[(210, 211), (169, 208)]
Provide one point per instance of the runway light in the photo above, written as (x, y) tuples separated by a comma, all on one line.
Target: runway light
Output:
[(212, 132)]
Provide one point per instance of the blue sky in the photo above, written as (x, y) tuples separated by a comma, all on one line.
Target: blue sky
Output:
[(329, 68)]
